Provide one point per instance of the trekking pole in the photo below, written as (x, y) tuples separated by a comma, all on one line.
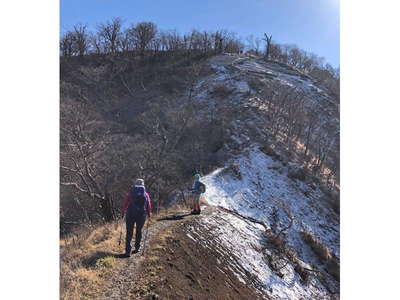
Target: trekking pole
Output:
[(145, 237), (120, 233)]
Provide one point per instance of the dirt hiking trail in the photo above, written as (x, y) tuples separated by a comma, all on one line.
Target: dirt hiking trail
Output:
[(177, 266)]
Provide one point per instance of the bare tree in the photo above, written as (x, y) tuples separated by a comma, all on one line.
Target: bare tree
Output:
[(250, 43), (109, 34), (96, 43), (173, 40), (232, 43), (195, 40), (156, 43), (143, 34), (126, 42), (324, 145), (253, 44), (81, 39), (206, 41), (294, 115), (312, 122), (257, 44), (275, 52), (81, 146), (218, 42), (163, 40), (67, 44), (268, 40)]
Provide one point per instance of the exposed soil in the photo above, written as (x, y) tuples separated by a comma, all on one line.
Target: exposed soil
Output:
[(177, 267), (128, 271)]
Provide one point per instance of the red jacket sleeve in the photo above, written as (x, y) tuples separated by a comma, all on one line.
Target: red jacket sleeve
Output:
[(148, 206), (126, 203)]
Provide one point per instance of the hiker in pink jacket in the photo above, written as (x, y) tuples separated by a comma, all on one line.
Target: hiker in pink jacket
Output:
[(136, 206)]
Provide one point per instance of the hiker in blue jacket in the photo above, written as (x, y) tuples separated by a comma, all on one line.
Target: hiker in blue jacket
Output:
[(136, 206), (197, 189)]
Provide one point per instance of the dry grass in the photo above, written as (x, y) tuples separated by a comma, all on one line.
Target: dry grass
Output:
[(298, 173), (232, 170), (304, 274), (86, 259), (107, 262), (331, 197), (317, 246), (256, 84), (288, 254), (165, 235), (333, 268), (221, 91), (275, 240), (270, 150)]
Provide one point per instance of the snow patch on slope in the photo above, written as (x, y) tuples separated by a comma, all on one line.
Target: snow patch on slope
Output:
[(244, 241), (264, 187), (264, 192)]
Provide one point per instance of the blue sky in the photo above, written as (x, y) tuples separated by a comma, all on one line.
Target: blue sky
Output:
[(311, 24)]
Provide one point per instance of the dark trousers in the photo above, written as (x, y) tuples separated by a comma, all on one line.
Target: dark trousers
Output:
[(130, 224)]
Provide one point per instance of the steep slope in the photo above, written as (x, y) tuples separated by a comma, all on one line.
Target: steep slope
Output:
[(267, 102), (265, 185), (243, 248), (239, 74), (256, 186)]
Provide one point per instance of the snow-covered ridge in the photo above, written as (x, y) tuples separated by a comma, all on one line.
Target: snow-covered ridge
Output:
[(265, 186), (230, 67), (261, 189)]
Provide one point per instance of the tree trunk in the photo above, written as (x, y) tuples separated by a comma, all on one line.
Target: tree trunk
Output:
[(107, 208)]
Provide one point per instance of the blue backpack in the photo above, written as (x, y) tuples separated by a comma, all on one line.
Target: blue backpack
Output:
[(138, 199)]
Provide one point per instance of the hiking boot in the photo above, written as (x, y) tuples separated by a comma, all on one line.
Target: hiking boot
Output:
[(193, 212), (127, 254), (136, 250)]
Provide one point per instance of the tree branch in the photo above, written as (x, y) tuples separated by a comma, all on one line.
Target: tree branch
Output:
[(75, 185)]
